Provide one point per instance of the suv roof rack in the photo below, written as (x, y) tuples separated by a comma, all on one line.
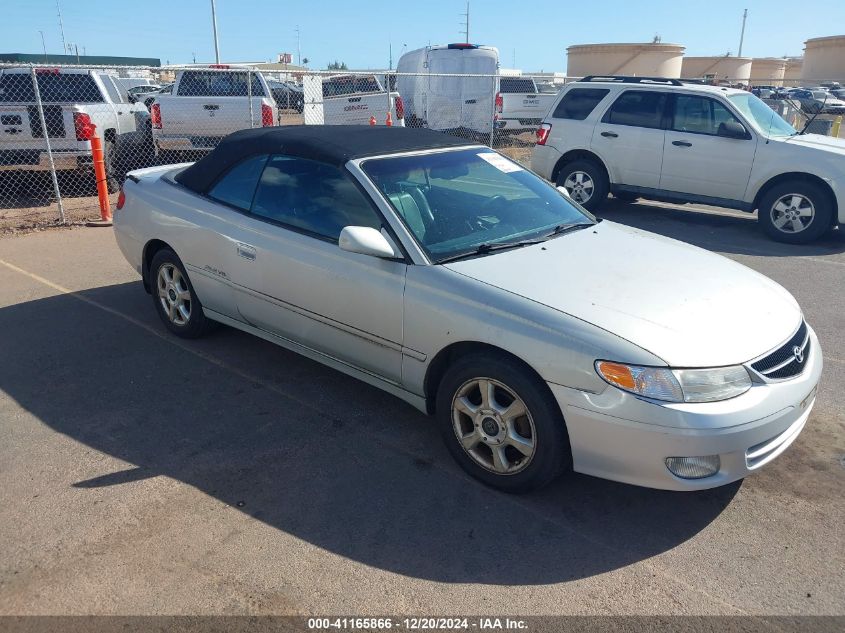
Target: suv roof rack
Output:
[(625, 79)]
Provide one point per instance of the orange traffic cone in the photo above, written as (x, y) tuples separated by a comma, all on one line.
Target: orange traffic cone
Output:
[(389, 121), (372, 120)]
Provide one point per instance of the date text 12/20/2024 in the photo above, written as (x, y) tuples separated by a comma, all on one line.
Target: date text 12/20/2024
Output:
[(416, 624)]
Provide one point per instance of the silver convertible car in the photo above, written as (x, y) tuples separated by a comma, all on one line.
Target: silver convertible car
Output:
[(541, 338)]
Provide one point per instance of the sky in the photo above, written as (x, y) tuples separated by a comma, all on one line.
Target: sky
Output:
[(530, 34)]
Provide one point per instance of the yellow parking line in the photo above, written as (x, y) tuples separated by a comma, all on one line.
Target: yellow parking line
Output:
[(162, 335)]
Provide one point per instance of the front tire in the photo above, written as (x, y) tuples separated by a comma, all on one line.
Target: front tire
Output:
[(174, 298), (501, 424), (796, 212), (586, 182)]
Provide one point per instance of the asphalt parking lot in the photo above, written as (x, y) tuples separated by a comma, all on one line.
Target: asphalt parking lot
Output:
[(140, 473)]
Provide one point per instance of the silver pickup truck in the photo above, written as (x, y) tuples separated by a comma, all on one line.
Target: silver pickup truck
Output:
[(77, 104), (205, 104), (520, 106)]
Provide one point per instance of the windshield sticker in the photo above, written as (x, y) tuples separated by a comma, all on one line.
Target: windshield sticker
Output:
[(500, 162)]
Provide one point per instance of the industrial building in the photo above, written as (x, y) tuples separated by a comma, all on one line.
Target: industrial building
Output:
[(721, 67), (649, 59), (824, 59)]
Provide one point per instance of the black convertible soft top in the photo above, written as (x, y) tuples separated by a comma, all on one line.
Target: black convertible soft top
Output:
[(334, 144)]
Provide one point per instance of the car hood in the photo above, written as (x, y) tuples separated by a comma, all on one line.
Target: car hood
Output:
[(688, 306), (819, 141)]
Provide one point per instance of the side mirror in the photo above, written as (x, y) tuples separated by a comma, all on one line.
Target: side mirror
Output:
[(732, 129), (366, 241)]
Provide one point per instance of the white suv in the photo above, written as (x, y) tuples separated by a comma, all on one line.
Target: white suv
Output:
[(666, 140)]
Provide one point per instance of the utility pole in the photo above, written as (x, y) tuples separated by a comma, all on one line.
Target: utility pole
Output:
[(390, 48), (298, 48), (214, 24), (742, 34), (61, 26), (466, 24), (44, 46)]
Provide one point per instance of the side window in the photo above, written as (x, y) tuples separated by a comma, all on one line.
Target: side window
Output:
[(237, 187), (638, 108), (311, 196), (111, 89), (699, 115), (578, 103)]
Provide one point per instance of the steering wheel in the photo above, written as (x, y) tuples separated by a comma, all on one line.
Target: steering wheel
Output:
[(493, 202)]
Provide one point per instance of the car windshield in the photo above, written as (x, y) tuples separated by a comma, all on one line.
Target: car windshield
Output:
[(472, 201), (766, 120)]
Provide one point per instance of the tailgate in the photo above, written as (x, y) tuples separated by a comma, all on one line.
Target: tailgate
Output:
[(207, 116), (21, 129), (356, 109), (525, 105)]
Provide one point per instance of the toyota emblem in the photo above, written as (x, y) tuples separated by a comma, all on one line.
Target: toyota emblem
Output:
[(798, 353)]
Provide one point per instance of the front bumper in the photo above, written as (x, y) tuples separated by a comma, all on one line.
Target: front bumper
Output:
[(186, 143), (618, 436)]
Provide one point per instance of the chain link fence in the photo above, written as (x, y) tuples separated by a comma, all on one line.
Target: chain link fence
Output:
[(148, 116)]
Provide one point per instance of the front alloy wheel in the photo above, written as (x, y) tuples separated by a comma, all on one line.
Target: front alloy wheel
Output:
[(493, 426), (501, 422), (797, 211), (792, 213)]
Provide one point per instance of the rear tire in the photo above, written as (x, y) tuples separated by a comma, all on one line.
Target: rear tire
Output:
[(796, 212), (174, 298), (586, 182), (501, 424), (113, 180)]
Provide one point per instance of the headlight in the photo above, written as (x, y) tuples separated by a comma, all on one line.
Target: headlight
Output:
[(676, 385)]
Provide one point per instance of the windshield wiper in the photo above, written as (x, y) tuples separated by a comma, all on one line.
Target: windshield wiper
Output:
[(560, 229), (489, 247)]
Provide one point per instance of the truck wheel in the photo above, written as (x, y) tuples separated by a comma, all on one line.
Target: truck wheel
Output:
[(796, 212), (175, 300), (113, 179), (501, 424), (586, 183)]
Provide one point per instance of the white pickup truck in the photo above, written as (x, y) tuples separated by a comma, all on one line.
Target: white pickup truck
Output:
[(206, 104), (77, 104), (353, 99), (520, 106)]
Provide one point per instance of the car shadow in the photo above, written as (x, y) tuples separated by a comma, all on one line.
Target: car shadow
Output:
[(718, 230), (312, 452)]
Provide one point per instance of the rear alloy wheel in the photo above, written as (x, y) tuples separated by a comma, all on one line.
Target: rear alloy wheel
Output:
[(174, 297), (795, 212), (501, 424), (585, 182)]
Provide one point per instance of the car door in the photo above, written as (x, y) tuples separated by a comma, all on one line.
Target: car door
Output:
[(696, 159), (630, 135), (292, 279)]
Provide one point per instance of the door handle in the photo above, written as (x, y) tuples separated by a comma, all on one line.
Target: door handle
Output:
[(246, 251), (682, 143), (610, 134)]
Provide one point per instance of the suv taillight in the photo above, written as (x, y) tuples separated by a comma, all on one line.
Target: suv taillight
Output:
[(400, 108), (500, 102), (155, 116), (266, 116), (543, 133), (83, 126)]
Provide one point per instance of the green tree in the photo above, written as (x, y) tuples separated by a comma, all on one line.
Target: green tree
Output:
[(336, 65)]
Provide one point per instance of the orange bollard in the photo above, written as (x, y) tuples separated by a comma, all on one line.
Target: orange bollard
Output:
[(389, 121), (372, 120), (102, 187)]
